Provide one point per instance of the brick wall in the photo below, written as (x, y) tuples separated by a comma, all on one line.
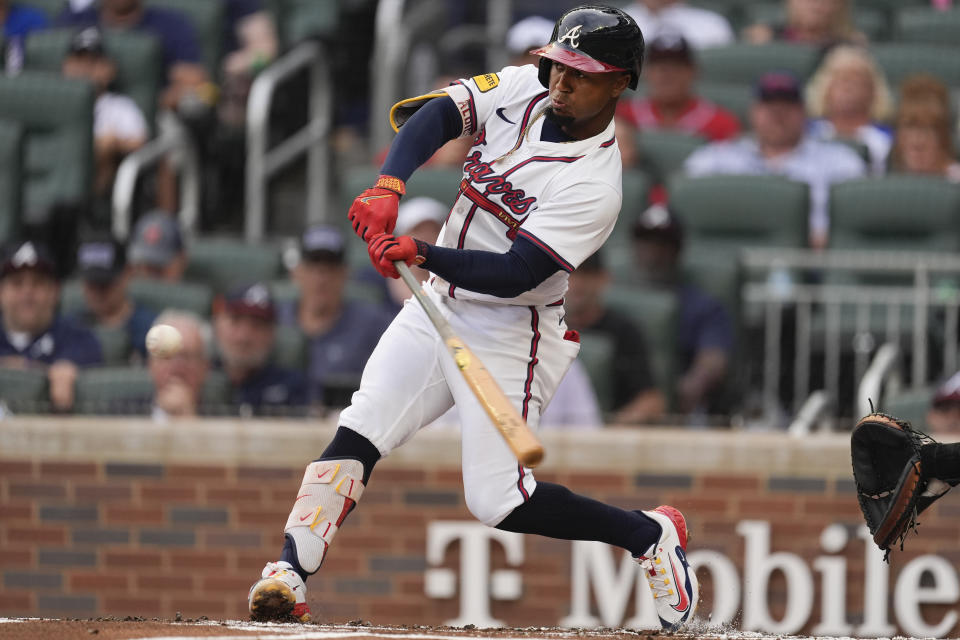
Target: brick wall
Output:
[(120, 530)]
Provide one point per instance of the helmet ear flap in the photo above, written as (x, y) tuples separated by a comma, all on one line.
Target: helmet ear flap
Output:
[(544, 74)]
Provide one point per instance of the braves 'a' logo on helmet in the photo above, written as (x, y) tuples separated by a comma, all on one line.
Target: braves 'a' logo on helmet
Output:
[(573, 35)]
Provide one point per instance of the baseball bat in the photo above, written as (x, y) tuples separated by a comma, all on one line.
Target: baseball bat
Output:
[(521, 440)]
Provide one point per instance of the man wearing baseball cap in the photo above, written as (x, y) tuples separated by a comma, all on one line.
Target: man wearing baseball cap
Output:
[(341, 332), (780, 146), (33, 334), (156, 248), (245, 330), (102, 265)]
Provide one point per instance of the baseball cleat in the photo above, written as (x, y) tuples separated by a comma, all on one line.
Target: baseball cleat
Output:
[(672, 582), (279, 594)]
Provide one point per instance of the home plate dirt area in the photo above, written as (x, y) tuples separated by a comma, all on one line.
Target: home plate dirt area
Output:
[(156, 629)]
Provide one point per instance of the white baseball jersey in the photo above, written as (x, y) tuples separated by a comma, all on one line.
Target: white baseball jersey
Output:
[(562, 196)]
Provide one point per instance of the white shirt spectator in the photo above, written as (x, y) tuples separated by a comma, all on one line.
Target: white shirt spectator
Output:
[(878, 141), (574, 405), (817, 163), (700, 27), (118, 116)]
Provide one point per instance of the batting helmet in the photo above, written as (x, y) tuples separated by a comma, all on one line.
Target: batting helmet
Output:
[(594, 38)]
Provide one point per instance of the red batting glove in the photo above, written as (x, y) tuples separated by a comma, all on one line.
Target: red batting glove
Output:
[(375, 210), (385, 248)]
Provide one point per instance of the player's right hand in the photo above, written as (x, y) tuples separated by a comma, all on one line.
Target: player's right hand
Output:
[(375, 210)]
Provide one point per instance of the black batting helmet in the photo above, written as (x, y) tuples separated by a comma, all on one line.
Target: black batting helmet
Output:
[(594, 38)]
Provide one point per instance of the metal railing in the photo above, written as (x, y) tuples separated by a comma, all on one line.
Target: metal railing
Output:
[(263, 163), (174, 142), (822, 312)]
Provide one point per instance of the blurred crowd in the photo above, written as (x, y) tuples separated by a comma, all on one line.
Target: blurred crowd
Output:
[(295, 345)]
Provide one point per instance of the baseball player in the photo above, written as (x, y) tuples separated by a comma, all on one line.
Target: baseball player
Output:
[(541, 191)]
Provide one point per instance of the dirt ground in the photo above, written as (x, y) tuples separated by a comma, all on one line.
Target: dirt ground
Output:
[(133, 628)]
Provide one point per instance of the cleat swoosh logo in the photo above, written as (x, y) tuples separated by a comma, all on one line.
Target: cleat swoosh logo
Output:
[(681, 585), (305, 517), (503, 117), (367, 199)]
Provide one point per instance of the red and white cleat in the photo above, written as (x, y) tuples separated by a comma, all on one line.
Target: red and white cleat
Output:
[(672, 581), (279, 594)]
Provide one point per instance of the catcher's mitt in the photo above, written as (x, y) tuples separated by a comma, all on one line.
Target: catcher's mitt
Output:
[(891, 486)]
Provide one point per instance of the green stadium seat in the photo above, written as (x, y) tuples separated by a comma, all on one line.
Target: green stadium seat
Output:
[(290, 348), (899, 212), (596, 353), (115, 344), (656, 313), (733, 96), (57, 115), (11, 174), (207, 18), (871, 21), (71, 297), (223, 263), (301, 19), (900, 60), (53, 8), (662, 151), (158, 295), (636, 195), (118, 390), (137, 56), (744, 63), (24, 390), (732, 10), (928, 26), (911, 405)]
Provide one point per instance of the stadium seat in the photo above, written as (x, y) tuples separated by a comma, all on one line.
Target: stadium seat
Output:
[(744, 63), (207, 19), (223, 263), (899, 212), (158, 295), (290, 348), (636, 196), (439, 184), (301, 19), (57, 115), (115, 345), (119, 390), (23, 390), (596, 353), (11, 173), (911, 405), (655, 312), (137, 56), (662, 151), (928, 26), (899, 60), (71, 297), (733, 96), (872, 21)]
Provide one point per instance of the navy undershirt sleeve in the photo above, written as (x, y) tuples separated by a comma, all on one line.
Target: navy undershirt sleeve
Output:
[(432, 126), (504, 275)]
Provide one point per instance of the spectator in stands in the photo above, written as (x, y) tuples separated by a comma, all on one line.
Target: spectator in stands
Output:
[(943, 416), (421, 218), (849, 99), (574, 404), (103, 268), (704, 328), (526, 35), (157, 249), (670, 70), (187, 80), (178, 379), (701, 28), (118, 124), (18, 20), (636, 398), (33, 334), (923, 142), (821, 23), (341, 332), (250, 43), (245, 329), (779, 146)]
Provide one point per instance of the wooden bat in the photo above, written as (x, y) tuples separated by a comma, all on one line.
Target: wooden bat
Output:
[(505, 417)]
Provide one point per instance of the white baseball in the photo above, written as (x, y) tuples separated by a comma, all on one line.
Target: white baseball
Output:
[(163, 341)]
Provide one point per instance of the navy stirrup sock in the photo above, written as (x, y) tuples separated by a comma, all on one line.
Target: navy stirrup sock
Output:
[(556, 512), (347, 443)]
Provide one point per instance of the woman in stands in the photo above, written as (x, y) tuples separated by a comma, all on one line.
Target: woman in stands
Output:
[(817, 22), (848, 99)]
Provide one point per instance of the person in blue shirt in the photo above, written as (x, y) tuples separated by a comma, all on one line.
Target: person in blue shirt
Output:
[(341, 332), (245, 331), (704, 329), (33, 335), (102, 264), (19, 20)]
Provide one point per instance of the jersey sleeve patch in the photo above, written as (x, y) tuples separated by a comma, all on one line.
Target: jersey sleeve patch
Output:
[(486, 81)]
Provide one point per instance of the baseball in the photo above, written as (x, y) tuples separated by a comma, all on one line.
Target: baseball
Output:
[(163, 341)]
